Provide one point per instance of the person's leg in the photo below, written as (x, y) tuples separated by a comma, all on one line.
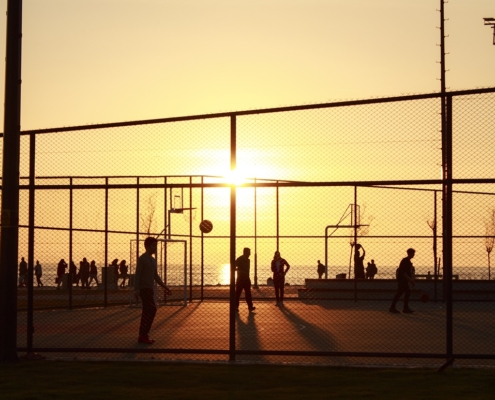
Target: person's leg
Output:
[(282, 283), (148, 313), (238, 291), (277, 291), (407, 294), (399, 293), (247, 291)]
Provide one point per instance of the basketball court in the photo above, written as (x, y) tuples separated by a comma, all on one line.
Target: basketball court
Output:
[(327, 326)]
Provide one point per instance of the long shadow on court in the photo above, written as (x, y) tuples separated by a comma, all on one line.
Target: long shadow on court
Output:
[(318, 338), (248, 335)]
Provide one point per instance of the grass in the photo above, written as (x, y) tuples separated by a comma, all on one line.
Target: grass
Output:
[(153, 380)]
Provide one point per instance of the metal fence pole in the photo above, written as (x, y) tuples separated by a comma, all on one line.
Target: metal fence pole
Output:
[(278, 217), (355, 241), (255, 239), (232, 311), (202, 240), (10, 185), (190, 243), (435, 269), (105, 268), (32, 165), (447, 224), (70, 278)]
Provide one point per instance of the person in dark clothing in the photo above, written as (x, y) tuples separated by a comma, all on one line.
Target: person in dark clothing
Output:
[(84, 273), (320, 269), (405, 278), (359, 262), (115, 267), (373, 269), (243, 281), (73, 275), (23, 270), (93, 273), (280, 266), (146, 275), (123, 272), (62, 266), (38, 272)]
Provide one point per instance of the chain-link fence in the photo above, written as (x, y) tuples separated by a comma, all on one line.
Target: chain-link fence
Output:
[(311, 183)]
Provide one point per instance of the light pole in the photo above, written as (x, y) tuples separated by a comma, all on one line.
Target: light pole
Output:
[(490, 22)]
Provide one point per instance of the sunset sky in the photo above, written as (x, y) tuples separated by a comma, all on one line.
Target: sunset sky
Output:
[(95, 61), (99, 61)]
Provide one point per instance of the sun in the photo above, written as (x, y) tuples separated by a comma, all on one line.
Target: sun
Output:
[(236, 177), (224, 274)]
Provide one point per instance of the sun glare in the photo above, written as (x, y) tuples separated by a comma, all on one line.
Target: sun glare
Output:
[(236, 177), (224, 275)]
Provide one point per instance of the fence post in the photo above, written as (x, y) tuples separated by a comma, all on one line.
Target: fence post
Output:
[(233, 193), (10, 185), (105, 268), (202, 240), (30, 327), (447, 221), (71, 278)]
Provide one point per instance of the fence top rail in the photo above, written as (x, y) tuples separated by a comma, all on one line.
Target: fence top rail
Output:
[(260, 111), (279, 184)]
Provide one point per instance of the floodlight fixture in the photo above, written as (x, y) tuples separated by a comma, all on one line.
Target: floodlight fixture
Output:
[(490, 22)]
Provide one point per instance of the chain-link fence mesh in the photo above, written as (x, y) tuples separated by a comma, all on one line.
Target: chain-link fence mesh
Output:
[(315, 182)]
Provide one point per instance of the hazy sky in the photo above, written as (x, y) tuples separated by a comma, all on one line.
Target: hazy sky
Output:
[(92, 61)]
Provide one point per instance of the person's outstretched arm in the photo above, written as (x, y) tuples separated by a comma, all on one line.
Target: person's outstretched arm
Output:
[(160, 282)]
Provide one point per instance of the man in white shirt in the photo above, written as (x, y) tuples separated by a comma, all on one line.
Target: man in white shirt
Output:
[(146, 275)]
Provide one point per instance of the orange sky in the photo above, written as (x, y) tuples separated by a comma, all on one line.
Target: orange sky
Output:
[(91, 61)]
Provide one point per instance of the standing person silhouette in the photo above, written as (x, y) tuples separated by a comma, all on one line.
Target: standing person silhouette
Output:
[(62, 266), (359, 262), (123, 272), (243, 281), (73, 275), (146, 275), (278, 265), (38, 272), (405, 278), (23, 270), (320, 269), (115, 267), (93, 273), (373, 269), (84, 273)]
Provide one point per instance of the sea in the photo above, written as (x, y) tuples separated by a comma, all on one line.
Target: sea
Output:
[(220, 274)]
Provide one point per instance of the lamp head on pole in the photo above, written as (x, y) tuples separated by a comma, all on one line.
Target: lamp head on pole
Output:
[(490, 22)]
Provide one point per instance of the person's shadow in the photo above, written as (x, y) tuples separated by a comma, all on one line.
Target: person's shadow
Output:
[(315, 336), (247, 333)]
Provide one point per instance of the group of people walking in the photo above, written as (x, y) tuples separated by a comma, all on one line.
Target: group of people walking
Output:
[(23, 273), (87, 273)]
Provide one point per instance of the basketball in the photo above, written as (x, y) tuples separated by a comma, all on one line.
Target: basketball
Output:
[(425, 298), (205, 226)]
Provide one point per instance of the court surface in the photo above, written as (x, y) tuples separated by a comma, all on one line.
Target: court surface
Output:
[(323, 326)]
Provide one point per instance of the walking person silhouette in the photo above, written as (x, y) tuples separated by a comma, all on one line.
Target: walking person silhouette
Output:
[(405, 278)]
